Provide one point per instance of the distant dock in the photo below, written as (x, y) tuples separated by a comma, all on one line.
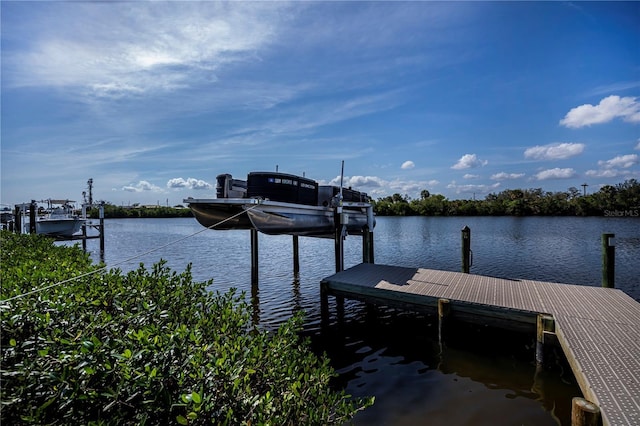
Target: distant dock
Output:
[(597, 328)]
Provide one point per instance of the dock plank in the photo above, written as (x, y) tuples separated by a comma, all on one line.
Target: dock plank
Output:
[(598, 328)]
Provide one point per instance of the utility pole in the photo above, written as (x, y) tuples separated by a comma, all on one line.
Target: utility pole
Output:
[(584, 189), (90, 184)]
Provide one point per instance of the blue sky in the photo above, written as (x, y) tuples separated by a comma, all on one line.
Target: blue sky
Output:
[(153, 100)]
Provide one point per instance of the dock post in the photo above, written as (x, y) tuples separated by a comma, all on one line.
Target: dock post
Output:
[(367, 245), (608, 260), (32, 217), (540, 340), (254, 255), (339, 240), (296, 255), (84, 238), (444, 308), (324, 302), (466, 249), (101, 214), (18, 219), (584, 413), (545, 324)]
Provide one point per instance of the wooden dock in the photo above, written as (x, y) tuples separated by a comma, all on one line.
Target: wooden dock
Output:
[(598, 328)]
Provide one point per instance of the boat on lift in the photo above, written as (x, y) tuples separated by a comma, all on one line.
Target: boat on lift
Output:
[(279, 203), (59, 219)]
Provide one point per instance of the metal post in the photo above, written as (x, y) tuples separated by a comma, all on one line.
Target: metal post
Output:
[(254, 255), (608, 260), (466, 249)]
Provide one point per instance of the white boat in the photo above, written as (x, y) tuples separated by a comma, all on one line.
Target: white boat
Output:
[(279, 203), (59, 219)]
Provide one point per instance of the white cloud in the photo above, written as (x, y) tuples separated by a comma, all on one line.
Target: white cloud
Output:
[(473, 189), (624, 161), (468, 161), (556, 173), (470, 176), (144, 47), (190, 183), (505, 176), (609, 108), (407, 165), (637, 148), (608, 173), (555, 151), (142, 186), (363, 183)]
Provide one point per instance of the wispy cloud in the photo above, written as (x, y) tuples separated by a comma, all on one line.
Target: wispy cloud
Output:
[(144, 47), (472, 189), (506, 176), (608, 109), (556, 173), (407, 165), (557, 151)]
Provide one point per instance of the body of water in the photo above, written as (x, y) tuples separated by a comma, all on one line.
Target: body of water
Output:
[(479, 377)]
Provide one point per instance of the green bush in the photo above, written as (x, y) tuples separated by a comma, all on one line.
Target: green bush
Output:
[(146, 347)]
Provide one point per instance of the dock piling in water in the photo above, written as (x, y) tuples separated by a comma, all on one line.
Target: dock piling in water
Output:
[(584, 413), (466, 249), (608, 260)]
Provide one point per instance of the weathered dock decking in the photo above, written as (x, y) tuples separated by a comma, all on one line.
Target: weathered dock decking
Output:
[(598, 328)]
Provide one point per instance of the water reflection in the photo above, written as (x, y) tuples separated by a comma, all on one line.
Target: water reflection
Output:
[(394, 355)]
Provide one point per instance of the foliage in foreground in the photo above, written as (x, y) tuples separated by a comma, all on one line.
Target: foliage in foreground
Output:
[(149, 346)]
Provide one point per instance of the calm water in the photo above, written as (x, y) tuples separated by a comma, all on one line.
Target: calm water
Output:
[(478, 377)]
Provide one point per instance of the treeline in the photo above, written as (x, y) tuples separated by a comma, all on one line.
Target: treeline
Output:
[(620, 200), (112, 211)]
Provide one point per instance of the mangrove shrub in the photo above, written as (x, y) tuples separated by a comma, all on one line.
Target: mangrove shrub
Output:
[(147, 347)]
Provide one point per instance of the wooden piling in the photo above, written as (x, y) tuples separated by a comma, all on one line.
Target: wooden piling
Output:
[(608, 260), (18, 218), (33, 208), (338, 240), (444, 308), (466, 249), (254, 255), (296, 255), (101, 214), (584, 413), (324, 302), (540, 340), (367, 245), (545, 326)]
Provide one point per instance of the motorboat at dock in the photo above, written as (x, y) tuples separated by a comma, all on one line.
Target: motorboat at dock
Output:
[(279, 203), (59, 219)]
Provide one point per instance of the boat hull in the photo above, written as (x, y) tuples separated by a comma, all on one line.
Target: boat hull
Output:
[(292, 219), (59, 227), (274, 217), (216, 213)]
